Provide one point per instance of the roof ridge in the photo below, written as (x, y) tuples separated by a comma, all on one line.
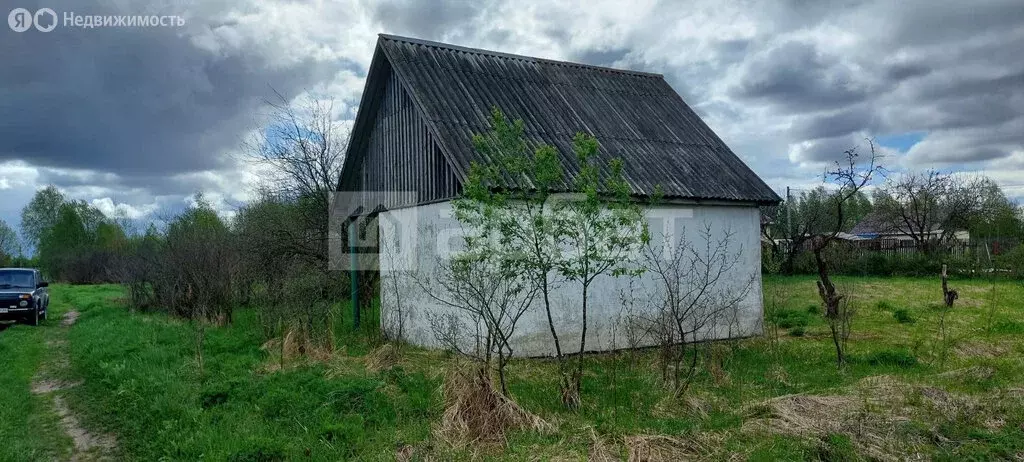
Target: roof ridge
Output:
[(499, 54)]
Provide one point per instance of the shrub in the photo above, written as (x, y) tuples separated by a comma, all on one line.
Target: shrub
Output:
[(788, 319), (1013, 261), (884, 305), (903, 316), (798, 331), (900, 358)]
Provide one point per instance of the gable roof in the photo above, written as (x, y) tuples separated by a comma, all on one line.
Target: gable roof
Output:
[(635, 116)]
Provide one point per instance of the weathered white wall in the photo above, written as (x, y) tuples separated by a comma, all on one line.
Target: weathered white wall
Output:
[(435, 233)]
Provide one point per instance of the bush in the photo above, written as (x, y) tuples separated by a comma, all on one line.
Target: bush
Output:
[(846, 259), (1013, 261), (798, 331), (900, 358), (903, 316), (788, 319)]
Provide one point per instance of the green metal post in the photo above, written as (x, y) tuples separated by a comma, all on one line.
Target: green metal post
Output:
[(354, 273)]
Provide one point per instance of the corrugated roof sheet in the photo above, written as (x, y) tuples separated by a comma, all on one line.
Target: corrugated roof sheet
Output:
[(635, 116)]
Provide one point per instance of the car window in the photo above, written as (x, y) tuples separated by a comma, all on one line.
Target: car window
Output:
[(16, 279)]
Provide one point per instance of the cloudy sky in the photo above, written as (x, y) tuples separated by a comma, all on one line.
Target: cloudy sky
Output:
[(137, 119)]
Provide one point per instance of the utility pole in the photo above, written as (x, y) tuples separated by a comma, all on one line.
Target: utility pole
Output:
[(789, 216)]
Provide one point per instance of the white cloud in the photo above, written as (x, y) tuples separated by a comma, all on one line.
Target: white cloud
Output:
[(788, 86)]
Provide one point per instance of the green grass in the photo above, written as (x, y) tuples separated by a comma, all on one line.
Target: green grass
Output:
[(142, 382), (29, 425)]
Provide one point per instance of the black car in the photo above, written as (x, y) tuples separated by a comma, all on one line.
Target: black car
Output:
[(23, 295)]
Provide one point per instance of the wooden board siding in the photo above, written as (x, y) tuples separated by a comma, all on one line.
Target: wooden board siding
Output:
[(401, 155)]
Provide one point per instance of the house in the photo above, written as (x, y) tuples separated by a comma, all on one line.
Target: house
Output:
[(875, 226), (412, 144)]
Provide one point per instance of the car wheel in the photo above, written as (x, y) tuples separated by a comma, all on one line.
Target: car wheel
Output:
[(43, 317), (34, 320)]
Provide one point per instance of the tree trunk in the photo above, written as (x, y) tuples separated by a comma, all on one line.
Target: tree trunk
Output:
[(831, 300)]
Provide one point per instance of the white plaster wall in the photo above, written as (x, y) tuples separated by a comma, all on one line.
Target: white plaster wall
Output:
[(426, 232)]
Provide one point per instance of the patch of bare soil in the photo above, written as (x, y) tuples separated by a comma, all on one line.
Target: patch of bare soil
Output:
[(41, 387), (88, 446), (69, 318)]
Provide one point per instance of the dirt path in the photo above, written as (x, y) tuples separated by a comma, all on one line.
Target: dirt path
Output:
[(88, 446)]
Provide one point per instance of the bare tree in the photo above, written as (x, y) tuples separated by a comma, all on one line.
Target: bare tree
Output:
[(851, 178), (303, 149), (699, 292), (929, 207), (398, 285), (492, 295)]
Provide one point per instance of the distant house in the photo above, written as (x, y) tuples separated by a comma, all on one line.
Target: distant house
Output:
[(876, 227), (421, 105)]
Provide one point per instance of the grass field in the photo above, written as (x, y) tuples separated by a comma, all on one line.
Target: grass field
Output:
[(29, 425), (906, 391)]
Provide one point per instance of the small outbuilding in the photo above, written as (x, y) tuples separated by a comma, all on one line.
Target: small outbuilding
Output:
[(411, 146)]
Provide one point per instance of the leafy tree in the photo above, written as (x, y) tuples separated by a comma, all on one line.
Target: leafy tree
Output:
[(511, 202), (9, 246), (511, 230), (603, 227), (813, 213), (41, 214), (1000, 217), (65, 240)]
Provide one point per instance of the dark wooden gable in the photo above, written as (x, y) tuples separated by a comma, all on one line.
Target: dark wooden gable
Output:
[(393, 153), (424, 100)]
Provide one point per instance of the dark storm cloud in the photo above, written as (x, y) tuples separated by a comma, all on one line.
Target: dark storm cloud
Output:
[(131, 100), (796, 76), (843, 122)]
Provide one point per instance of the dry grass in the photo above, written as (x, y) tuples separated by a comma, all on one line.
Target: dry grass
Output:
[(600, 450), (972, 374), (383, 357), (663, 448), (874, 413), (475, 412), (293, 350), (979, 349), (871, 415)]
